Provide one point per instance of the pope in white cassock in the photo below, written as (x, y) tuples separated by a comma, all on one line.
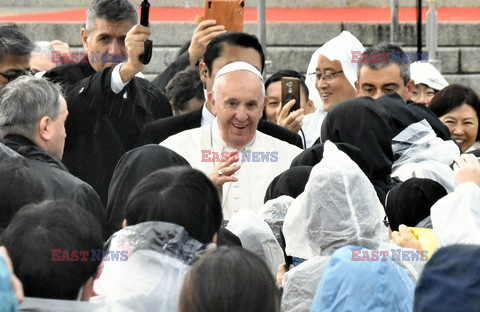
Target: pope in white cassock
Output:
[(240, 160)]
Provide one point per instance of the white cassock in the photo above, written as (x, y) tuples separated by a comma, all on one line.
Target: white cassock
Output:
[(260, 162)]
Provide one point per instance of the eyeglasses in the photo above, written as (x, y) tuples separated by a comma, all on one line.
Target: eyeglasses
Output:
[(327, 77), (15, 73)]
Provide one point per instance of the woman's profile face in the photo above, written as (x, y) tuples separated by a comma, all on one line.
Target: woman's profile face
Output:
[(463, 125)]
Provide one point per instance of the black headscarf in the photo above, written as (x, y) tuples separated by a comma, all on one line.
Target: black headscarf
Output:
[(370, 125), (400, 115), (361, 122), (291, 182), (313, 155), (409, 202), (133, 167)]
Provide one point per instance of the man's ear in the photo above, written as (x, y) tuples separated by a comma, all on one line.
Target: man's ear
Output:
[(172, 107), (213, 104), (203, 71), (124, 223), (265, 102), (410, 88), (43, 128), (309, 107), (357, 87), (84, 35)]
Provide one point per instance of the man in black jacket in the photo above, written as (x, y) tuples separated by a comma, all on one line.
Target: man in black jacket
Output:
[(108, 104), (225, 48), (32, 117)]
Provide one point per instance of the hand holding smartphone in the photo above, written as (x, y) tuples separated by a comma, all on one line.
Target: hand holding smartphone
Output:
[(290, 91)]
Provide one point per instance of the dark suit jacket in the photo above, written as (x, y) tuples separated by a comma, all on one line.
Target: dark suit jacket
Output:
[(159, 130), (101, 125)]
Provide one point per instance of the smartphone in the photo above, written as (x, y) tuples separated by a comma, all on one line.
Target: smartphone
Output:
[(291, 90), (228, 13)]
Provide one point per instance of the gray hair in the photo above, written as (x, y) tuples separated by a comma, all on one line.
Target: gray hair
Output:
[(12, 41), (24, 102), (43, 47), (393, 55), (112, 11)]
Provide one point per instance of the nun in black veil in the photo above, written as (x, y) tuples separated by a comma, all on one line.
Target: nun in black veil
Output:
[(362, 123), (370, 125), (133, 167)]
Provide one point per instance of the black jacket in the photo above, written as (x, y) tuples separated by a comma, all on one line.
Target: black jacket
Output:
[(159, 130), (60, 184), (101, 125)]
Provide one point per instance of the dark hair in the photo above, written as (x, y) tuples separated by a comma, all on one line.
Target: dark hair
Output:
[(288, 73), (111, 11), (389, 50), (19, 186), (179, 195), (244, 40), (13, 42), (229, 279), (38, 229), (183, 87), (453, 96)]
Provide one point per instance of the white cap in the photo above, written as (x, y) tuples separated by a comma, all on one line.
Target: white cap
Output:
[(426, 73), (231, 67)]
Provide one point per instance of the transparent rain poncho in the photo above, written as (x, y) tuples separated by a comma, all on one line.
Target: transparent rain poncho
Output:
[(419, 153), (257, 237), (275, 209), (150, 279), (338, 207), (273, 213), (456, 217)]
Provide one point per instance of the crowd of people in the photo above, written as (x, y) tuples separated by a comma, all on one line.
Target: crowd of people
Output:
[(202, 191)]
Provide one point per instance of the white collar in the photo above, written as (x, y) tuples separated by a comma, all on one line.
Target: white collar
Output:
[(207, 116)]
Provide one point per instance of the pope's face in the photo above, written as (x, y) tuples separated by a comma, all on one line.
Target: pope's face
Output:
[(238, 104)]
